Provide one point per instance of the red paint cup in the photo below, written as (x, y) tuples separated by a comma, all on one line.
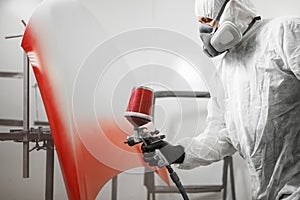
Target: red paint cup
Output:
[(139, 109)]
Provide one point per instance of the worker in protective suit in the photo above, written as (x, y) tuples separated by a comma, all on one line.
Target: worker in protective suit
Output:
[(260, 115)]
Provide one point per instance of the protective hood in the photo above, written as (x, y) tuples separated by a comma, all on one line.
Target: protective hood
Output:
[(239, 12)]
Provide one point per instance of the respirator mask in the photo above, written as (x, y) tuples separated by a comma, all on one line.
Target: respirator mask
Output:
[(216, 40)]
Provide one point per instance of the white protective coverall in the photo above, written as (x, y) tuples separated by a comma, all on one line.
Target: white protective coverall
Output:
[(260, 115)]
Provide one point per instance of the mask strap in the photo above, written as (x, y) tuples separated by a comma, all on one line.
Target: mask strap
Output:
[(251, 24), (219, 16)]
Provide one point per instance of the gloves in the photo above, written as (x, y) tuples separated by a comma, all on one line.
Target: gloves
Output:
[(161, 153)]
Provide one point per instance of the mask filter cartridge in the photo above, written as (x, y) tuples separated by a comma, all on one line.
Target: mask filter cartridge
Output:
[(226, 37)]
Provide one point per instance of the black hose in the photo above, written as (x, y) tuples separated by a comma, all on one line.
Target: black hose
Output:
[(177, 182)]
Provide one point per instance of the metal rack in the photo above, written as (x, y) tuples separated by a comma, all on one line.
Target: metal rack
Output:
[(35, 135), (149, 180), (28, 134)]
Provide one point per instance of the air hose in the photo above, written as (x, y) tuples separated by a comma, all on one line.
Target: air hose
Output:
[(177, 182)]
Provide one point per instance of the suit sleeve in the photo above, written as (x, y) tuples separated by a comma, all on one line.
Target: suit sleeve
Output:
[(213, 144), (289, 44)]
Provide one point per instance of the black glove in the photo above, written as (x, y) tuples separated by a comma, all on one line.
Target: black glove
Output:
[(171, 154)]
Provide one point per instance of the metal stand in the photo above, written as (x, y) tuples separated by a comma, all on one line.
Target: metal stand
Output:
[(149, 182), (27, 134), (153, 189), (49, 170), (35, 135), (26, 118), (114, 188)]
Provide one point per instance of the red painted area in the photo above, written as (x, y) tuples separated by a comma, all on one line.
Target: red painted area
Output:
[(62, 140), (110, 155), (90, 153)]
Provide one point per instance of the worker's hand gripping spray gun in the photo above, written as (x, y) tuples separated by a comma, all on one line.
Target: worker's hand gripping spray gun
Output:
[(139, 113)]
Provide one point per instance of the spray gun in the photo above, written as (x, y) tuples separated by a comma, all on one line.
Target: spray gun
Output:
[(139, 112)]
